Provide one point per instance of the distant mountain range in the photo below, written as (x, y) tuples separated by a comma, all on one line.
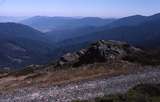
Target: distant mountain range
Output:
[(144, 32), (11, 19), (45, 24), (128, 21), (22, 45)]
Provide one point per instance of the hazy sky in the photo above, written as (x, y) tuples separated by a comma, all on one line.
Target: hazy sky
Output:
[(102, 8)]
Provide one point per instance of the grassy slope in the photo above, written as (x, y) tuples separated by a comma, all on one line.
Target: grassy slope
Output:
[(43, 79)]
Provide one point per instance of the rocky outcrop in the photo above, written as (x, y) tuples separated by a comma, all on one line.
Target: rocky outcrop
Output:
[(101, 51)]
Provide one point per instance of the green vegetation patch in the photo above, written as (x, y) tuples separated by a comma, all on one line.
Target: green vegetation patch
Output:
[(140, 93)]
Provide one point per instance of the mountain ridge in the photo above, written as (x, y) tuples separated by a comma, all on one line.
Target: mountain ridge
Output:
[(46, 24), (137, 35), (22, 45)]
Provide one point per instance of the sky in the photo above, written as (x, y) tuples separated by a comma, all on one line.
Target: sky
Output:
[(96, 8)]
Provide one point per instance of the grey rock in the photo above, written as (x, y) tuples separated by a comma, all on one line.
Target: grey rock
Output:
[(101, 51)]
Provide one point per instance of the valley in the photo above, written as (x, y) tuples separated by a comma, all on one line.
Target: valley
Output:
[(41, 48)]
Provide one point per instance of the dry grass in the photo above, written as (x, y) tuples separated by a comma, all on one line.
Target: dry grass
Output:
[(64, 76), (89, 72)]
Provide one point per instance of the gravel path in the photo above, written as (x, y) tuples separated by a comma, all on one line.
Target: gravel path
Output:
[(83, 89)]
